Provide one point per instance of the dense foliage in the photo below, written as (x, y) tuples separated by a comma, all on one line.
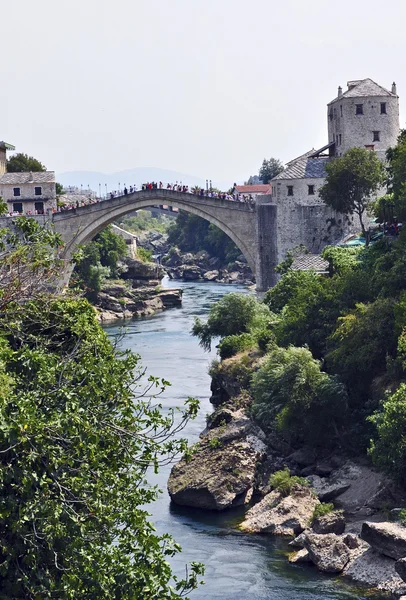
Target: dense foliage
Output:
[(79, 427), (234, 314), (290, 390), (191, 233), (99, 260), (22, 162), (351, 181), (269, 169)]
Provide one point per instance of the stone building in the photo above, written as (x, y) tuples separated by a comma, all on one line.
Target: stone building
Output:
[(29, 193), (365, 116), (3, 156)]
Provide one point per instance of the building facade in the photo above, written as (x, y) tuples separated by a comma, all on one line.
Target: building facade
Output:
[(29, 193), (365, 116)]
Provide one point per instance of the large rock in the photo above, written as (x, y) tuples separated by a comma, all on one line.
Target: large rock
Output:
[(118, 290), (137, 269), (302, 556), (363, 482), (109, 303), (210, 275), (333, 522), (374, 570), (328, 552), (222, 470), (386, 538), (171, 297), (191, 273), (327, 490), (304, 456), (400, 568), (287, 516), (352, 485)]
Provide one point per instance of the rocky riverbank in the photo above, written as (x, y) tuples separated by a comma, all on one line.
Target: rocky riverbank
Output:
[(359, 536), (138, 293), (202, 266)]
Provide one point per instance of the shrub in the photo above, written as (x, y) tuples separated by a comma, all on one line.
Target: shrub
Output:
[(233, 344), (388, 448), (215, 443), (283, 481), (144, 255), (322, 509), (232, 315), (360, 344), (291, 392)]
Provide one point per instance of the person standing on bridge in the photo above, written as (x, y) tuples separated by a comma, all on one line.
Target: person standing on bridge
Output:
[(125, 191)]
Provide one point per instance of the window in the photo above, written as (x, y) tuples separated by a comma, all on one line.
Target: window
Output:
[(376, 136), (340, 139), (310, 190), (341, 110), (359, 109), (370, 147), (39, 208), (17, 192), (38, 191), (290, 190), (18, 207), (383, 108)]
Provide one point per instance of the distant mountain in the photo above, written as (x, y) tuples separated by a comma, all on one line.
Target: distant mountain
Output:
[(129, 177)]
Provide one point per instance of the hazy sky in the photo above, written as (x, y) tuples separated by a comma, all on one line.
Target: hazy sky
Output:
[(206, 87)]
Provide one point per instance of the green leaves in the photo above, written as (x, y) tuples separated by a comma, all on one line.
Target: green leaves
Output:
[(351, 181), (77, 435)]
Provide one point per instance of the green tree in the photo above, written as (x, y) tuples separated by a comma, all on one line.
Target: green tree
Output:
[(388, 446), (78, 433), (269, 169), (292, 393), (360, 344), (396, 173), (232, 315), (79, 430), (191, 233), (22, 162), (99, 260), (351, 182), (59, 189)]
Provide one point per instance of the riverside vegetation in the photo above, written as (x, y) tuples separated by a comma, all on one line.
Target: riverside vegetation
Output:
[(313, 378), (119, 285), (78, 432)]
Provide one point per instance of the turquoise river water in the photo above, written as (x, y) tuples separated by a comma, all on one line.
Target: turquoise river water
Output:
[(238, 566)]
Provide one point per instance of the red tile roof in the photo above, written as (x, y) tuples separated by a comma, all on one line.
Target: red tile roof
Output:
[(253, 189)]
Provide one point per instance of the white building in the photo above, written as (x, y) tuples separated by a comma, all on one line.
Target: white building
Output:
[(29, 193)]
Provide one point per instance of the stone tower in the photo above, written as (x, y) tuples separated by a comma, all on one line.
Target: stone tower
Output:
[(366, 115)]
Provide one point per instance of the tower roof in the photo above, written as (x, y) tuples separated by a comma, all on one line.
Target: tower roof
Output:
[(363, 88), (6, 146)]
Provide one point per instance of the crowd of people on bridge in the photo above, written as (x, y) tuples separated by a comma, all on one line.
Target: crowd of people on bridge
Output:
[(75, 203)]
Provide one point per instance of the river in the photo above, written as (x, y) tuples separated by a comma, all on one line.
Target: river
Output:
[(238, 566)]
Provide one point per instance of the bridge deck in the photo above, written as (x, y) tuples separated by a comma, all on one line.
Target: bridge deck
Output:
[(157, 196)]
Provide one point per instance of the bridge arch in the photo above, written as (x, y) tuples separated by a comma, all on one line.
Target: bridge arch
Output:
[(235, 219)]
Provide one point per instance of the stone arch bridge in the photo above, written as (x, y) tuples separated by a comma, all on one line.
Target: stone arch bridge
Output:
[(252, 228), (264, 232)]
